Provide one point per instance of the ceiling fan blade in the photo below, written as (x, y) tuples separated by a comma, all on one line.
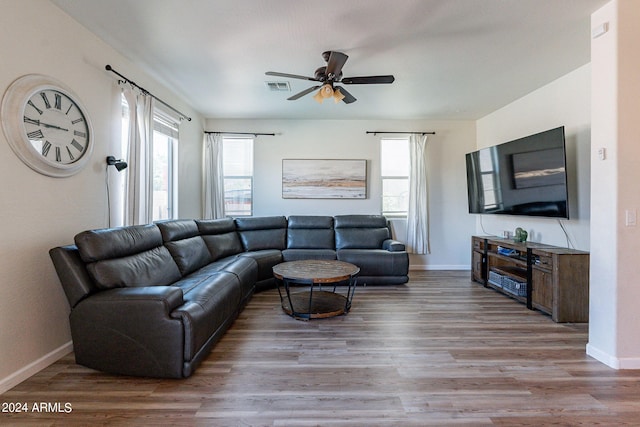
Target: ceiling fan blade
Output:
[(367, 80), (336, 62), (291, 76), (303, 93), (348, 98)]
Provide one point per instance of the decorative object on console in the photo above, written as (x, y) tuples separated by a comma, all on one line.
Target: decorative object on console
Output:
[(47, 126), (329, 76), (520, 235)]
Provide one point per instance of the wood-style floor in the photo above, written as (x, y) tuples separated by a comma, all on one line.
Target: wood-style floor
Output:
[(441, 350)]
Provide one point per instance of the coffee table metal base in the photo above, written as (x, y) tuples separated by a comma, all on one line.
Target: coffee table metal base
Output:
[(315, 305)]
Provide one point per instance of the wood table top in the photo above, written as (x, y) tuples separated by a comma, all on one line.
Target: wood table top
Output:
[(318, 271)]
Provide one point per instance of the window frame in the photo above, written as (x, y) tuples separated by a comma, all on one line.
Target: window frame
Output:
[(383, 178), (225, 139), (169, 126)]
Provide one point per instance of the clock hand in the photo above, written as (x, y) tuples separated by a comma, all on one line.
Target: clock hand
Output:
[(53, 126)]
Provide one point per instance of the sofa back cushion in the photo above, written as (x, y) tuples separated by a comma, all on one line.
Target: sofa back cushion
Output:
[(220, 237), (310, 232), (182, 239), (258, 233), (361, 231), (154, 267), (127, 256), (95, 245)]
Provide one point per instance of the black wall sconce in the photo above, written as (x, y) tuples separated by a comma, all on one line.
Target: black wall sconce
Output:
[(118, 163)]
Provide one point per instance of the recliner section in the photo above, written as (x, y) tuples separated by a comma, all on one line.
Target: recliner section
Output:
[(152, 300)]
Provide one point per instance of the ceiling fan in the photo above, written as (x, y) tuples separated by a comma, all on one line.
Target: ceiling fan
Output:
[(328, 76)]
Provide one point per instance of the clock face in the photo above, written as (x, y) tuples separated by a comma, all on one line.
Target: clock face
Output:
[(46, 125), (55, 127)]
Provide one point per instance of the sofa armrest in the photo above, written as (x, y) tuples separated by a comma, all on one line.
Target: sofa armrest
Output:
[(392, 245), (130, 331), (154, 300)]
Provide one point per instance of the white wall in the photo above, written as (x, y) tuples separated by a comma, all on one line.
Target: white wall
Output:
[(450, 224), (40, 212), (564, 102), (614, 337)]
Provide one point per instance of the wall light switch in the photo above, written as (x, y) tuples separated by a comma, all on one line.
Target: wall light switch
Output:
[(630, 217), (602, 153)]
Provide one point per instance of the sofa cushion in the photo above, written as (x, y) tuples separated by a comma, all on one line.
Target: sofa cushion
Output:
[(210, 303), (244, 268), (189, 254), (220, 237), (95, 245), (266, 259), (182, 238), (154, 267), (361, 231), (303, 254), (374, 262), (310, 232), (177, 229), (259, 233)]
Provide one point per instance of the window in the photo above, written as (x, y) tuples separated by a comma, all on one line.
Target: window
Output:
[(394, 171), (237, 154), (164, 161)]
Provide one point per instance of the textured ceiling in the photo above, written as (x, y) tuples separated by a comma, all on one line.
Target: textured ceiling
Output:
[(452, 59)]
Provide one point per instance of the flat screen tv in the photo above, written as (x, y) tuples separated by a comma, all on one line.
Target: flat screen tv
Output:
[(527, 176)]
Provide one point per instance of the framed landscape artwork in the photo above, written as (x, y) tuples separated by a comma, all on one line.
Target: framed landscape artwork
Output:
[(324, 179)]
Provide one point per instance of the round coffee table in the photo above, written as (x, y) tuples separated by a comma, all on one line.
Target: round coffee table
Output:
[(310, 303)]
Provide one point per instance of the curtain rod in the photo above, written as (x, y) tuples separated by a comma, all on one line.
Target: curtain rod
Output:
[(241, 133), (131, 82), (375, 132)]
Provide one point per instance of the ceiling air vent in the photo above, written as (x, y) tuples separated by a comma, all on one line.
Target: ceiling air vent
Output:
[(278, 86)]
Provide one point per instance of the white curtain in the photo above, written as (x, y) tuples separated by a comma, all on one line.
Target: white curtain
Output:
[(418, 215), (139, 185), (213, 177)]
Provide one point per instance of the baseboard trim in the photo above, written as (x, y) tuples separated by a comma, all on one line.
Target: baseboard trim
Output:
[(612, 361), (424, 267), (33, 368)]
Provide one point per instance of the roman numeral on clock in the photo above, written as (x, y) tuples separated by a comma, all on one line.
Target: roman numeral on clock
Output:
[(70, 155), (45, 99), (58, 155), (58, 101), (77, 145), (34, 107), (36, 134), (81, 134), (45, 148)]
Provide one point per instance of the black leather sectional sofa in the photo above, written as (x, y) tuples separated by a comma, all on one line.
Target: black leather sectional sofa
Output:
[(152, 300)]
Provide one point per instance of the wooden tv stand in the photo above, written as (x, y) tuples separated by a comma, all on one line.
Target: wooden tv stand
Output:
[(548, 278)]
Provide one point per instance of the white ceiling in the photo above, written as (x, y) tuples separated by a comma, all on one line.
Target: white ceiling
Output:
[(452, 59)]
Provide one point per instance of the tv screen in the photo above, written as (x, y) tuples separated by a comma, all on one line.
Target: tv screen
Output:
[(527, 176)]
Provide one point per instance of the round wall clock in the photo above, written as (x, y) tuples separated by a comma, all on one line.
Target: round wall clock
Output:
[(46, 125)]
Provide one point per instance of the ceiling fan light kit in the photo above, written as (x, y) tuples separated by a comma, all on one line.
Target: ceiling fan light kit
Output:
[(326, 92), (329, 76)]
